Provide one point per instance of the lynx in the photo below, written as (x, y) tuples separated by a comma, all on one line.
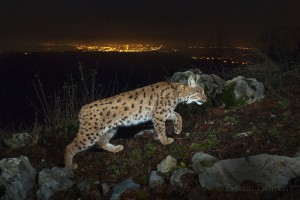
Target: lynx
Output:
[(98, 121)]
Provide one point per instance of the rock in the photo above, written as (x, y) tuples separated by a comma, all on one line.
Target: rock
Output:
[(212, 84), (155, 180), (84, 186), (241, 91), (87, 188), (236, 92), (53, 180), (244, 134), (183, 77), (123, 186), (105, 188), (167, 164), (175, 178), (201, 161), (17, 177), (269, 171), (16, 140), (149, 132)]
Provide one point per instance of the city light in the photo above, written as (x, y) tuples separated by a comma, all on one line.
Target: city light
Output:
[(197, 52), (222, 59), (117, 47)]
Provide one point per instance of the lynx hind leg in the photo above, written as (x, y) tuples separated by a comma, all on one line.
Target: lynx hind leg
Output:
[(177, 122), (70, 152), (80, 143), (104, 139)]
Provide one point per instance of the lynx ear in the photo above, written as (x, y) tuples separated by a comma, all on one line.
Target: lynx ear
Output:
[(192, 82)]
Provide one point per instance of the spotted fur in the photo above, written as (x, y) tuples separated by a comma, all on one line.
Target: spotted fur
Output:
[(99, 119)]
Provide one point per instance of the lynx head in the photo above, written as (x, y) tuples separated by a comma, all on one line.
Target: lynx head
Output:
[(192, 92)]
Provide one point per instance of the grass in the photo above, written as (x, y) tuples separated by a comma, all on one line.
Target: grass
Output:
[(271, 73), (61, 111), (283, 103), (210, 141), (62, 108)]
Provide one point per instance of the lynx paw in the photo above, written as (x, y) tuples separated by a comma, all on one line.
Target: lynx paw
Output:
[(118, 148), (112, 148), (167, 141), (72, 166)]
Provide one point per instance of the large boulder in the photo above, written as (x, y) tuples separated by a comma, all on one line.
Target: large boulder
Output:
[(241, 91), (267, 171), (52, 181), (16, 140), (232, 93), (201, 161), (17, 178), (212, 84)]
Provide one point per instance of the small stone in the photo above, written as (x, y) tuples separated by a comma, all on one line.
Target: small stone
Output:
[(187, 134), (155, 180), (105, 188), (127, 184), (167, 164), (175, 178), (244, 134), (149, 132)]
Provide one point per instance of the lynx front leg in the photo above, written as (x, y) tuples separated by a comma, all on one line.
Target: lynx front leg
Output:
[(160, 127), (103, 142), (176, 118)]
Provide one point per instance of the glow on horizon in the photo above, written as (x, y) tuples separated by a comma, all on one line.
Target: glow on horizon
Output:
[(117, 47)]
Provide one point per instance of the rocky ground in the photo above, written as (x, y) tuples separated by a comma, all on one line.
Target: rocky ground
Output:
[(270, 126)]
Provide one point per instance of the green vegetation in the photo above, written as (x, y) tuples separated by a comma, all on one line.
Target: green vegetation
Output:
[(210, 141), (264, 69), (228, 97), (283, 103), (276, 60), (116, 170), (231, 119)]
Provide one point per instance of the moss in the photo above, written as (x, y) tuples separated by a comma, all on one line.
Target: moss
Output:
[(210, 142), (228, 97), (283, 103)]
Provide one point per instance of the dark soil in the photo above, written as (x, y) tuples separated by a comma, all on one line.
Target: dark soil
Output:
[(273, 122)]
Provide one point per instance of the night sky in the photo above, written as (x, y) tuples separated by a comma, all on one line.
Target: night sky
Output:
[(28, 22)]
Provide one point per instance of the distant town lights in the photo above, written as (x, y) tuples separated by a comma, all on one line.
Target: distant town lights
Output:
[(119, 48)]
